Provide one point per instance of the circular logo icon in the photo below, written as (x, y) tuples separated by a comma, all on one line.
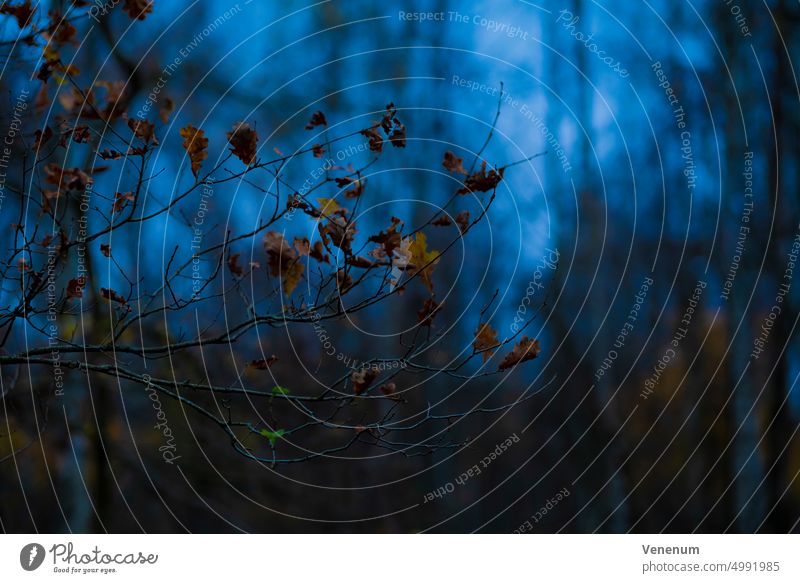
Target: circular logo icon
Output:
[(31, 556)]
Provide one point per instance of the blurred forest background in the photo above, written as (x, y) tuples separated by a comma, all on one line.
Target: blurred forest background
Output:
[(609, 440)]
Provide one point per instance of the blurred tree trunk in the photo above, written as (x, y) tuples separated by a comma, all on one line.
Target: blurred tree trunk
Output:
[(781, 157)]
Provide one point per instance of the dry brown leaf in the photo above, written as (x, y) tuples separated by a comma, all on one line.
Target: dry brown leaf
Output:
[(482, 181), (390, 238), (244, 140), (138, 9), (144, 130), (263, 363), (317, 119), (234, 266), (374, 137), (21, 12), (339, 232), (362, 379), (166, 109), (525, 349), (453, 163), (485, 341), (112, 296), (196, 145), (428, 312), (462, 220), (75, 287), (283, 261), (121, 200)]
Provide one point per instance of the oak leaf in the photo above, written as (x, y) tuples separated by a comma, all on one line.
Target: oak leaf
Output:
[(21, 12), (374, 137), (398, 135), (120, 200), (485, 341), (75, 287), (357, 186), (244, 140), (196, 145), (144, 130), (42, 137), (138, 9), (482, 181), (305, 249), (317, 119), (462, 220), (423, 260), (283, 261), (453, 163), (525, 349), (390, 238), (339, 232)]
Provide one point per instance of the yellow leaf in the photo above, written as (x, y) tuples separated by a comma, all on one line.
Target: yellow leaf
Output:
[(328, 206), (421, 257), (291, 277)]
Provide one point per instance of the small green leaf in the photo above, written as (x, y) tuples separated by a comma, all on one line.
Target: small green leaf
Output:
[(278, 390), (273, 436)]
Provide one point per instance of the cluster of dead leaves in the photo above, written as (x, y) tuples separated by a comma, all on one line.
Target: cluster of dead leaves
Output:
[(237, 268), (392, 127), (305, 249), (317, 119), (356, 186), (21, 12), (389, 240), (363, 378), (65, 179), (338, 231), (480, 181), (486, 343), (462, 220)]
